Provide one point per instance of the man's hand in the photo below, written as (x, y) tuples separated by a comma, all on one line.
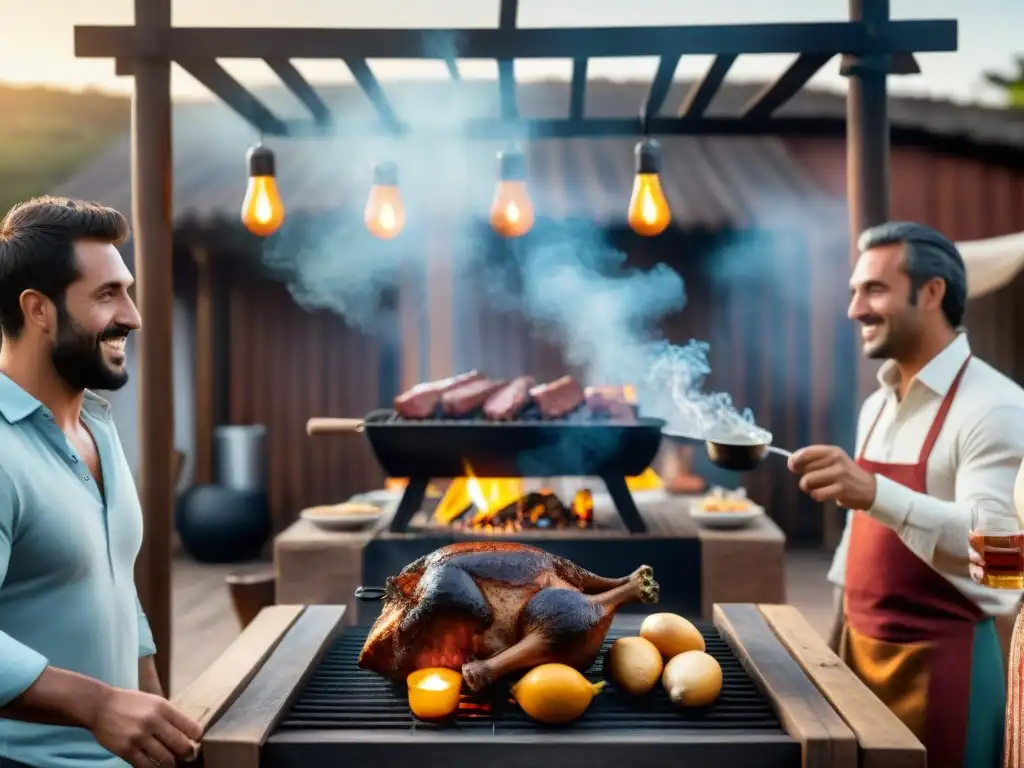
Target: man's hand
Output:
[(144, 730), (977, 567), (827, 473)]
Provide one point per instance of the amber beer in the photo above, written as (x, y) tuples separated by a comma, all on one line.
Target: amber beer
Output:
[(999, 539)]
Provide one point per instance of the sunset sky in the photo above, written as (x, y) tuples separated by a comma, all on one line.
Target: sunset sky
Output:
[(36, 37)]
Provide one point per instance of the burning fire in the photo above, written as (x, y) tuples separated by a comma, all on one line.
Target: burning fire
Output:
[(501, 504)]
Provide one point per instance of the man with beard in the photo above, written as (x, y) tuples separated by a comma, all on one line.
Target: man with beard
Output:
[(78, 685), (944, 431)]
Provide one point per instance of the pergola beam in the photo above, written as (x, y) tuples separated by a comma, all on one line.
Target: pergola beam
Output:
[(786, 86), (300, 87), (578, 89), (212, 75), (371, 87), (661, 84), (699, 97), (506, 66), (852, 37)]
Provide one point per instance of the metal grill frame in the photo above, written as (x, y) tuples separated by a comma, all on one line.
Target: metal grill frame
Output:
[(752, 642)]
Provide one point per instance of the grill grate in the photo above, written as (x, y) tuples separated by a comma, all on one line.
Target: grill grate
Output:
[(340, 696)]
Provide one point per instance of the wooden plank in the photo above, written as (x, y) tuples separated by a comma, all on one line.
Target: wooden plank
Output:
[(236, 738), (885, 742), (661, 85), (806, 715), (215, 689)]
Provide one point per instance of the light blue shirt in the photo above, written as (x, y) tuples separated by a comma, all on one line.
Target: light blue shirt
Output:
[(67, 555)]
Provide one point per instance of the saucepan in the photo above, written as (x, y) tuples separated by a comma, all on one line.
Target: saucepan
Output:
[(738, 454)]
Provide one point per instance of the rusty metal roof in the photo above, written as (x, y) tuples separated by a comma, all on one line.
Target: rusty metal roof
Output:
[(710, 181)]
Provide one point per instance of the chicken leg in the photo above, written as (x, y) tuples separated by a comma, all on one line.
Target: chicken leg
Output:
[(563, 625)]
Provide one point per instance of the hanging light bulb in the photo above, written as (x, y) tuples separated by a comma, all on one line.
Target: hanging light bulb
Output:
[(511, 209), (649, 214), (262, 209), (384, 215)]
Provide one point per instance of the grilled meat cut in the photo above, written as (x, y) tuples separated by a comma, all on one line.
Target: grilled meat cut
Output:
[(609, 401), (422, 400), (468, 397), (558, 398), (490, 608), (510, 399)]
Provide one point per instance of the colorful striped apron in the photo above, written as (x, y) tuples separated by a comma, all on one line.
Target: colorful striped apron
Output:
[(915, 640)]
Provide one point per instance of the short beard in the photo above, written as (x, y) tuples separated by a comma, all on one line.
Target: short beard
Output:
[(78, 358)]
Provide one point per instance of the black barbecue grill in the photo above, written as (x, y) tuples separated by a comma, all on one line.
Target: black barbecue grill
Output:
[(341, 702)]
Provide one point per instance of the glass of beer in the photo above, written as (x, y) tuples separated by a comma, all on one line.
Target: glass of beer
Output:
[(997, 536)]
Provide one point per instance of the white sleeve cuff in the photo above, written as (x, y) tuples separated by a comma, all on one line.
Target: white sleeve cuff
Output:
[(893, 503)]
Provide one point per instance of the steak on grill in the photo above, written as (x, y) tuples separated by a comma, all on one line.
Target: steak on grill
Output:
[(558, 398), (490, 608), (422, 400), (510, 399), (468, 397)]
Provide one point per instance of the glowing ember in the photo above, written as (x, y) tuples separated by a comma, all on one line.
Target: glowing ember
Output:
[(649, 480)]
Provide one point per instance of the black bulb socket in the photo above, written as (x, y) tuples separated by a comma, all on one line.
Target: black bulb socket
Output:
[(648, 156), (260, 160), (512, 164), (385, 175)]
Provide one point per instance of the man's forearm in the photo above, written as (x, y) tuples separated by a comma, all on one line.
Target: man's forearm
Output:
[(149, 679), (59, 697)]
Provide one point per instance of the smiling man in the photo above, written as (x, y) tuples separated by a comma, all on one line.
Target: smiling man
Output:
[(943, 432), (75, 647)]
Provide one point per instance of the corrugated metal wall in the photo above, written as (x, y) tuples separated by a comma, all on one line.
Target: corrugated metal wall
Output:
[(286, 365), (966, 200)]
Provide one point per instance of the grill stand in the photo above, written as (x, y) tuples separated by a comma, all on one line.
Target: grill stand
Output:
[(416, 491)]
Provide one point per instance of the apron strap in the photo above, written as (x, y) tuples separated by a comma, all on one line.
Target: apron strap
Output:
[(940, 417), (871, 430)]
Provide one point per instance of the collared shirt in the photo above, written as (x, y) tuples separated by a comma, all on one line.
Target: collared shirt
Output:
[(67, 554), (976, 458)]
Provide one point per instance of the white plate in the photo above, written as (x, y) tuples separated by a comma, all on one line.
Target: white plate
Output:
[(725, 521), (339, 522)]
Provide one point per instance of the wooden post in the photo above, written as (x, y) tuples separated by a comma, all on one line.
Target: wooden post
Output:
[(151, 221), (867, 151), (203, 375)]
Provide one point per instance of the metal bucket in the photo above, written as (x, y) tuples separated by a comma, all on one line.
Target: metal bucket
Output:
[(241, 460)]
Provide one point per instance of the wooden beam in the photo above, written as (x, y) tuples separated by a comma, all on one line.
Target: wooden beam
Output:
[(203, 374), (453, 68), (209, 695), (371, 87), (662, 83), (215, 78), (703, 91), (523, 43), (298, 85), (151, 190), (236, 738), (598, 127), (578, 94), (806, 715), (775, 94), (884, 741), (506, 65)]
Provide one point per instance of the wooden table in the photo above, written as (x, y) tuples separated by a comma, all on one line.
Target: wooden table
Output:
[(833, 719), (314, 566)]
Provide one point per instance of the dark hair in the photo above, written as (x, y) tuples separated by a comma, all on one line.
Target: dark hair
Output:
[(927, 254), (37, 249)]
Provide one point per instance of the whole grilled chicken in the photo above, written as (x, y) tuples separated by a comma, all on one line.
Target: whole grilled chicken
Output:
[(490, 608)]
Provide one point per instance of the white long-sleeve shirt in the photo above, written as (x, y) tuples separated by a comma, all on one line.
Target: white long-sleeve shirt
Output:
[(976, 457)]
